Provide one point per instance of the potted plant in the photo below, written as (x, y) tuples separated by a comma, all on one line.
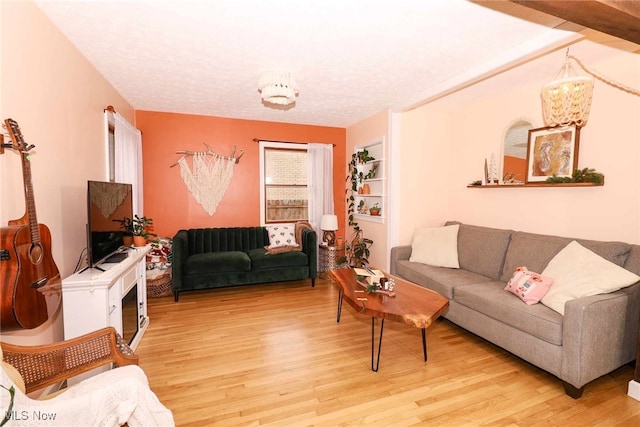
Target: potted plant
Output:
[(356, 250), (141, 230), (374, 210), (356, 175), (363, 156), (126, 224), (362, 207)]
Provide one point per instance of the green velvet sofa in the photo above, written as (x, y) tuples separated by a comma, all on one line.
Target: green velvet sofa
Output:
[(207, 258)]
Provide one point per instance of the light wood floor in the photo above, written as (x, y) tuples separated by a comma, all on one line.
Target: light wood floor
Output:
[(274, 354)]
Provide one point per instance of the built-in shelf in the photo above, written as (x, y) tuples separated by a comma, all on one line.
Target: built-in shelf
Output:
[(376, 184), (539, 184), (367, 217)]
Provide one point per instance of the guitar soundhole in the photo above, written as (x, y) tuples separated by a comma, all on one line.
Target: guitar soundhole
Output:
[(36, 253)]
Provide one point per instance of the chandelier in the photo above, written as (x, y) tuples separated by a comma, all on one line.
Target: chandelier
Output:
[(278, 87), (567, 99)]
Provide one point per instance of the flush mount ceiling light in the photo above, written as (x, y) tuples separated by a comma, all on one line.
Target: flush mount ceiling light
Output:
[(278, 87), (567, 98)]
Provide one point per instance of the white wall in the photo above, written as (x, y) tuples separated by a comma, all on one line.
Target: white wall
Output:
[(444, 144)]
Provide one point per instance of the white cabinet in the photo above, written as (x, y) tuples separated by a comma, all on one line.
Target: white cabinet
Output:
[(373, 185), (116, 297)]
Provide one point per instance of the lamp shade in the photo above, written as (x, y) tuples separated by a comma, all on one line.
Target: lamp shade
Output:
[(329, 222), (567, 99), (278, 87)]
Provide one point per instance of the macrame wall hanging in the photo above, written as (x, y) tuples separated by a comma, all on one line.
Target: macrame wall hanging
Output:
[(209, 175)]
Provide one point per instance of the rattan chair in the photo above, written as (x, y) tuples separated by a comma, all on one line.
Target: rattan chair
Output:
[(45, 365)]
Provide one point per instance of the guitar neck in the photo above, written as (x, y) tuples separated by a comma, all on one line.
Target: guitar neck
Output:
[(20, 145), (29, 199)]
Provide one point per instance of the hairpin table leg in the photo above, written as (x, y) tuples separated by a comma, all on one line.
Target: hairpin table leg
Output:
[(424, 343), (373, 340)]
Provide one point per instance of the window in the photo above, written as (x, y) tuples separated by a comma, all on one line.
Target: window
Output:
[(123, 151), (283, 175), (111, 143)]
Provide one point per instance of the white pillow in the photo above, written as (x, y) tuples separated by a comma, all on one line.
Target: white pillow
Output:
[(282, 235), (578, 272), (436, 246)]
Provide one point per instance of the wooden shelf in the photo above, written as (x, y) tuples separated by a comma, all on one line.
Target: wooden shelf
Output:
[(371, 218), (539, 184)]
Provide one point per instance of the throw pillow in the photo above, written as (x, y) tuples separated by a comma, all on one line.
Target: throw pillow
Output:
[(299, 226), (280, 249), (529, 286), (282, 235), (436, 246), (578, 272)]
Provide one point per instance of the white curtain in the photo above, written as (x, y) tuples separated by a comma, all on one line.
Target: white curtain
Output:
[(320, 183), (128, 159)]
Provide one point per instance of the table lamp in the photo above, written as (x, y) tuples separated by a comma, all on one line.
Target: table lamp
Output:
[(329, 225)]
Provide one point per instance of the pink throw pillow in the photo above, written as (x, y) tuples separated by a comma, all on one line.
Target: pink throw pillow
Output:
[(529, 286)]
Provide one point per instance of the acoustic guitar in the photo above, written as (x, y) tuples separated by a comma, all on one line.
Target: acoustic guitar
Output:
[(30, 290)]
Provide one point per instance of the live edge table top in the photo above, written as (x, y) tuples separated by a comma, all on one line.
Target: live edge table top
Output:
[(412, 305)]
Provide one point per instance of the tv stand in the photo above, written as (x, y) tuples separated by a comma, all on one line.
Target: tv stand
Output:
[(94, 299)]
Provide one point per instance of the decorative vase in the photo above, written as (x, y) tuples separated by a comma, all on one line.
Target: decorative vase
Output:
[(366, 189), (139, 241), (374, 212)]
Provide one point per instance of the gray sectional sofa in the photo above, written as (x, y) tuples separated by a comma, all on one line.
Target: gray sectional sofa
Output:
[(596, 335)]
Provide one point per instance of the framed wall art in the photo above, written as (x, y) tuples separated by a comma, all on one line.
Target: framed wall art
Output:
[(552, 151)]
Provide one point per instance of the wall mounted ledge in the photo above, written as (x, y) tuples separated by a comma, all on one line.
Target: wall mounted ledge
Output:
[(540, 184)]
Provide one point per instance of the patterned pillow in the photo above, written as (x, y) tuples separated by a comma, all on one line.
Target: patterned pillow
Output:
[(300, 225), (282, 235), (529, 286)]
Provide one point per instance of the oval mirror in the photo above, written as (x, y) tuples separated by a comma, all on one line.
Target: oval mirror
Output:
[(514, 154)]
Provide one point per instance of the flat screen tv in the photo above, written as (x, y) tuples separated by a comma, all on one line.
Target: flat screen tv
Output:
[(108, 204)]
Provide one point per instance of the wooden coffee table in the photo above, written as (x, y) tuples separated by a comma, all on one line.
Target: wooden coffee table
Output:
[(412, 304)]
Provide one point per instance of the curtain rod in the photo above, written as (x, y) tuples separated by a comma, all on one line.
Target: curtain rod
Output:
[(288, 142), (110, 108)]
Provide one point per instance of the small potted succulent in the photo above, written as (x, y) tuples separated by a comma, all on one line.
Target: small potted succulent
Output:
[(374, 210)]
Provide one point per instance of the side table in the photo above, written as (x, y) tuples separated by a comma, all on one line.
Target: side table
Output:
[(328, 259)]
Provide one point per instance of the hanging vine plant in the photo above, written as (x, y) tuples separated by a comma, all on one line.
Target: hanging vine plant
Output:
[(357, 248)]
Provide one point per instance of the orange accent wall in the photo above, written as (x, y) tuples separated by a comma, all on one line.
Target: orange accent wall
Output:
[(166, 198)]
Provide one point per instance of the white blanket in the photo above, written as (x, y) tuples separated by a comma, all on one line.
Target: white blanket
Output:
[(111, 398)]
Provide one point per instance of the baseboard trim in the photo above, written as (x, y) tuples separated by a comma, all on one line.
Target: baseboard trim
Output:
[(634, 389)]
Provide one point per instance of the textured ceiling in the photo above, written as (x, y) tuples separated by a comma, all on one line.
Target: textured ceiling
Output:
[(351, 59)]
